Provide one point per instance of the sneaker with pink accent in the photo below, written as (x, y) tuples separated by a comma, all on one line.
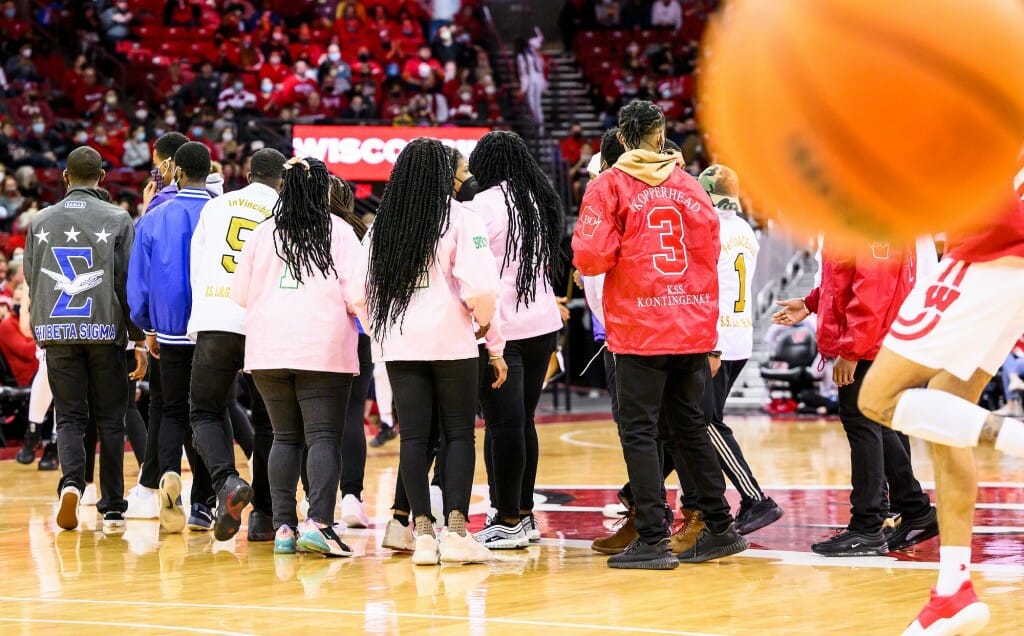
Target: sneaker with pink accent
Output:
[(961, 614)]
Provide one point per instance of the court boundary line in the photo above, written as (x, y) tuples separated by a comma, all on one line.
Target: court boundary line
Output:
[(346, 612), (71, 621)]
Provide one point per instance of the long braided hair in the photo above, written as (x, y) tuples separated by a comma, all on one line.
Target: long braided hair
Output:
[(302, 236), (343, 205), (638, 119), (413, 215), (536, 219)]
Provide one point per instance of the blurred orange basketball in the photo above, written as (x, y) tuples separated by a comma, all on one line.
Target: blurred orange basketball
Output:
[(864, 118)]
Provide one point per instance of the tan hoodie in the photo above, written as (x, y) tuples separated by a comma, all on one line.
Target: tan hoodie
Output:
[(653, 168)]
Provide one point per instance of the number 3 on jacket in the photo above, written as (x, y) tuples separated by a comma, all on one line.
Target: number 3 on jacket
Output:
[(235, 241), (669, 223)]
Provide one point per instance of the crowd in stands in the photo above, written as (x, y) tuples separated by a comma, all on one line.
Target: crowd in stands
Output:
[(116, 74)]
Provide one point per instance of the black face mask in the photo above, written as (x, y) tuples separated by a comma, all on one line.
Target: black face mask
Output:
[(468, 190), (577, 135)]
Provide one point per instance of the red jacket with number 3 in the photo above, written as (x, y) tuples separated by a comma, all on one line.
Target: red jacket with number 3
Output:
[(653, 229), (859, 297)]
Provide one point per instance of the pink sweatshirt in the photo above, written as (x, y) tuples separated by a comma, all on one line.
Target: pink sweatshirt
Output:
[(517, 323), (462, 285), (307, 327)]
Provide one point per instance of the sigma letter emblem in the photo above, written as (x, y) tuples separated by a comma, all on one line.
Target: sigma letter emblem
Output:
[(71, 283), (938, 297), (590, 221)]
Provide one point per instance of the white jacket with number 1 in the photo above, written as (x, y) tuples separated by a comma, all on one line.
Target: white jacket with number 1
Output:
[(224, 226), (460, 285)]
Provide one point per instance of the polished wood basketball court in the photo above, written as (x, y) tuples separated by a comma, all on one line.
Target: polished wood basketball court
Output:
[(82, 582)]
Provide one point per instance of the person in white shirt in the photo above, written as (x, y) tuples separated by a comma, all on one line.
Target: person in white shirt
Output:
[(236, 97), (532, 78), (216, 325), (525, 222), (667, 13), (430, 276)]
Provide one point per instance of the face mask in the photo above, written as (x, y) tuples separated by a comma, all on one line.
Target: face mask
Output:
[(468, 190), (267, 87), (239, 87), (197, 131), (38, 128), (141, 136), (466, 96), (171, 120), (158, 132), (10, 13), (111, 118), (490, 90), (81, 138), (275, 60), (111, 101), (142, 113), (158, 178), (101, 139), (228, 136), (577, 135), (425, 55), (334, 57), (364, 57), (26, 53), (446, 38)]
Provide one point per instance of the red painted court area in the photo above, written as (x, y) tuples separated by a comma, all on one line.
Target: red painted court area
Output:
[(812, 514)]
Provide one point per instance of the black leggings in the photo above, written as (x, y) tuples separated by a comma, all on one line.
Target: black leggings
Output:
[(435, 455), (449, 386), (306, 409), (510, 444)]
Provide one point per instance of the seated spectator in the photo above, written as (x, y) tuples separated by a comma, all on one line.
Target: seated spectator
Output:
[(43, 144), (268, 99), (667, 13), (444, 48), (183, 12), (232, 25), (21, 68), (608, 13), (333, 66), (11, 200), (14, 280), (110, 148), (18, 350), (572, 146), (349, 9), (394, 102), (249, 56), (419, 69), (174, 82), (30, 105), (111, 115), (467, 22), (312, 110), (366, 68), (274, 70), (136, 151), (296, 87), (236, 97), (117, 21), (12, 27), (227, 147), (206, 88), (464, 107), (304, 47), (411, 35), (578, 174), (358, 109)]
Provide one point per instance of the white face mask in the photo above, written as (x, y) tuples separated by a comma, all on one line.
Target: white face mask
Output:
[(141, 113), (228, 136)]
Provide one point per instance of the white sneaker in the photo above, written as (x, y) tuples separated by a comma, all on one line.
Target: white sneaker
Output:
[(426, 551), (459, 549), (532, 529), (113, 523), (89, 495), (172, 515), (352, 512), (142, 503), (398, 537), (67, 514), (498, 535), (437, 504), (613, 511)]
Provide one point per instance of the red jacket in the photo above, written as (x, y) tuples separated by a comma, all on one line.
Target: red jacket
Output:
[(18, 350), (657, 240), (859, 297)]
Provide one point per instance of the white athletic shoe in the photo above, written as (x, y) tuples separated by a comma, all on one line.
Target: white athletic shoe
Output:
[(142, 503), (67, 513), (172, 515), (398, 537), (426, 550), (459, 549), (89, 495), (497, 535), (613, 511), (437, 503), (352, 512), (113, 523), (532, 528)]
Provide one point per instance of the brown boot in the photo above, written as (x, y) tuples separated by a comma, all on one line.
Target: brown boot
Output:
[(617, 543), (686, 536)]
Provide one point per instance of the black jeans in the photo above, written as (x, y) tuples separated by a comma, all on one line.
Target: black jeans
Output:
[(175, 376), (509, 419), (134, 426), (307, 410), (435, 455), (877, 455), (84, 378), (450, 386), (262, 442), (218, 357), (673, 383), (730, 455), (353, 438)]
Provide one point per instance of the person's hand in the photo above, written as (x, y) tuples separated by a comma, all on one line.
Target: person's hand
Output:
[(794, 310), (716, 364), (563, 308), (141, 363), (482, 330), (500, 372), (153, 345), (842, 371), (148, 193), (577, 278)]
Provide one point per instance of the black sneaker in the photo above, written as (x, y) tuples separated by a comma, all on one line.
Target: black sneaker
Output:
[(49, 459), (754, 515), (710, 546), (113, 523), (261, 526), (27, 452), (910, 532), (847, 543), (201, 518), (383, 436), (233, 497), (640, 556)]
